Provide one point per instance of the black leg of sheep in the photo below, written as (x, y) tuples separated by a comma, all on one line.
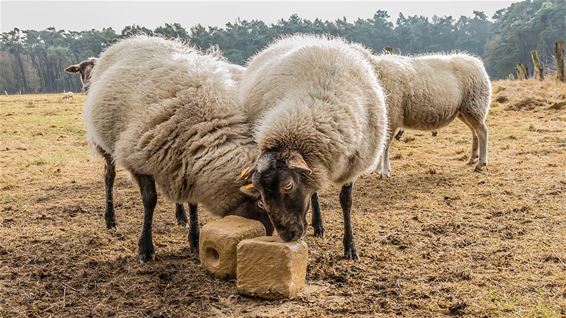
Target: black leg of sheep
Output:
[(194, 230), (146, 250), (109, 176), (346, 203), (316, 216), (399, 134), (180, 214)]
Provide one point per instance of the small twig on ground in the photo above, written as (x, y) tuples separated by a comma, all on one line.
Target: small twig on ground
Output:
[(64, 295)]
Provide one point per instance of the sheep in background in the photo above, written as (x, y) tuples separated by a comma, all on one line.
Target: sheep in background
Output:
[(84, 68), (169, 116), (68, 95), (428, 92), (321, 117)]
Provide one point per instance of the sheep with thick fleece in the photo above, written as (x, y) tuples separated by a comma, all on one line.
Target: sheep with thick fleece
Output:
[(84, 69), (428, 92), (320, 116), (169, 115)]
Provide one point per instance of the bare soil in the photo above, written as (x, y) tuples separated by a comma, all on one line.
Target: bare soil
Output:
[(435, 240)]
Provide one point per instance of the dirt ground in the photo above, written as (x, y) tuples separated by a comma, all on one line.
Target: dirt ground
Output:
[(436, 239)]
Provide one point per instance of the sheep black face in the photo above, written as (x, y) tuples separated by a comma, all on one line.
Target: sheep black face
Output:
[(284, 186), (252, 208)]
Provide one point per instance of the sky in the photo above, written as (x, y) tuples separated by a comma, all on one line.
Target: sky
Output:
[(86, 15)]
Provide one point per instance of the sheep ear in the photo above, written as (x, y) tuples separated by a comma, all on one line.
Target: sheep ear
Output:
[(250, 191), (296, 161), (73, 69)]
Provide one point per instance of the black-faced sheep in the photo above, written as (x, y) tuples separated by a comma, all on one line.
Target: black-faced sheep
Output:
[(321, 117), (169, 115)]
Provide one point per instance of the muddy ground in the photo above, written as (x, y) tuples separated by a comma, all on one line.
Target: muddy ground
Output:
[(436, 239)]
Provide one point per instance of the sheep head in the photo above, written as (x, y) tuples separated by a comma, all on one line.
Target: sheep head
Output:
[(85, 69), (283, 183)]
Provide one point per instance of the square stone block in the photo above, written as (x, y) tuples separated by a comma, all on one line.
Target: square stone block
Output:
[(271, 268), (219, 240)]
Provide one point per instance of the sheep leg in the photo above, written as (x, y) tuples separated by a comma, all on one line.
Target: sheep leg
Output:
[(385, 164), (474, 154), (346, 204), (316, 217), (399, 134), (482, 136), (146, 250), (109, 176), (194, 230), (180, 214)]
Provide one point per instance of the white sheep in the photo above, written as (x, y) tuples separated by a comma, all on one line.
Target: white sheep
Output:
[(321, 117), (67, 95), (84, 69), (428, 92), (169, 115)]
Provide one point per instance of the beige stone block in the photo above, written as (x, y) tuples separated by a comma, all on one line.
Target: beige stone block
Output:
[(271, 268), (219, 240)]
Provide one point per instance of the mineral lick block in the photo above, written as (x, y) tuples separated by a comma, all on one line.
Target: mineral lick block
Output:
[(271, 268), (219, 240)]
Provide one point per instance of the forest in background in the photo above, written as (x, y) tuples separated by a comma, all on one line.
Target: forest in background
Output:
[(33, 61)]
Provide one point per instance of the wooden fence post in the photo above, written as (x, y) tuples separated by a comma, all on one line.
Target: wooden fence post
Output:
[(522, 72), (537, 66), (559, 55)]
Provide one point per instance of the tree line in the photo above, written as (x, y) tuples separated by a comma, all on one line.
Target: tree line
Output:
[(33, 61)]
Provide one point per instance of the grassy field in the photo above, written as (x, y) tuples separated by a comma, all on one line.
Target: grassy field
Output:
[(436, 239)]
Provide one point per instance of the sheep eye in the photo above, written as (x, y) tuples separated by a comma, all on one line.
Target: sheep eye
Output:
[(288, 186), (261, 205)]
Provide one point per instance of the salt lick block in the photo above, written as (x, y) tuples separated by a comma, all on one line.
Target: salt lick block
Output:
[(219, 240), (271, 268)]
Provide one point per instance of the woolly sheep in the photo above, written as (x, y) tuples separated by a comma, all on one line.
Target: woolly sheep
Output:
[(169, 115), (84, 68), (67, 95), (428, 92), (321, 117)]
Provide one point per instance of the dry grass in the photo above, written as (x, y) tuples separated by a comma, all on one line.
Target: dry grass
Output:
[(437, 239), (530, 94)]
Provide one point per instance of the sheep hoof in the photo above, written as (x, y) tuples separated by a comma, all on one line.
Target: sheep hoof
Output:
[(319, 232), (479, 167), (111, 224), (146, 250), (350, 252), (193, 245), (385, 175), (145, 257)]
